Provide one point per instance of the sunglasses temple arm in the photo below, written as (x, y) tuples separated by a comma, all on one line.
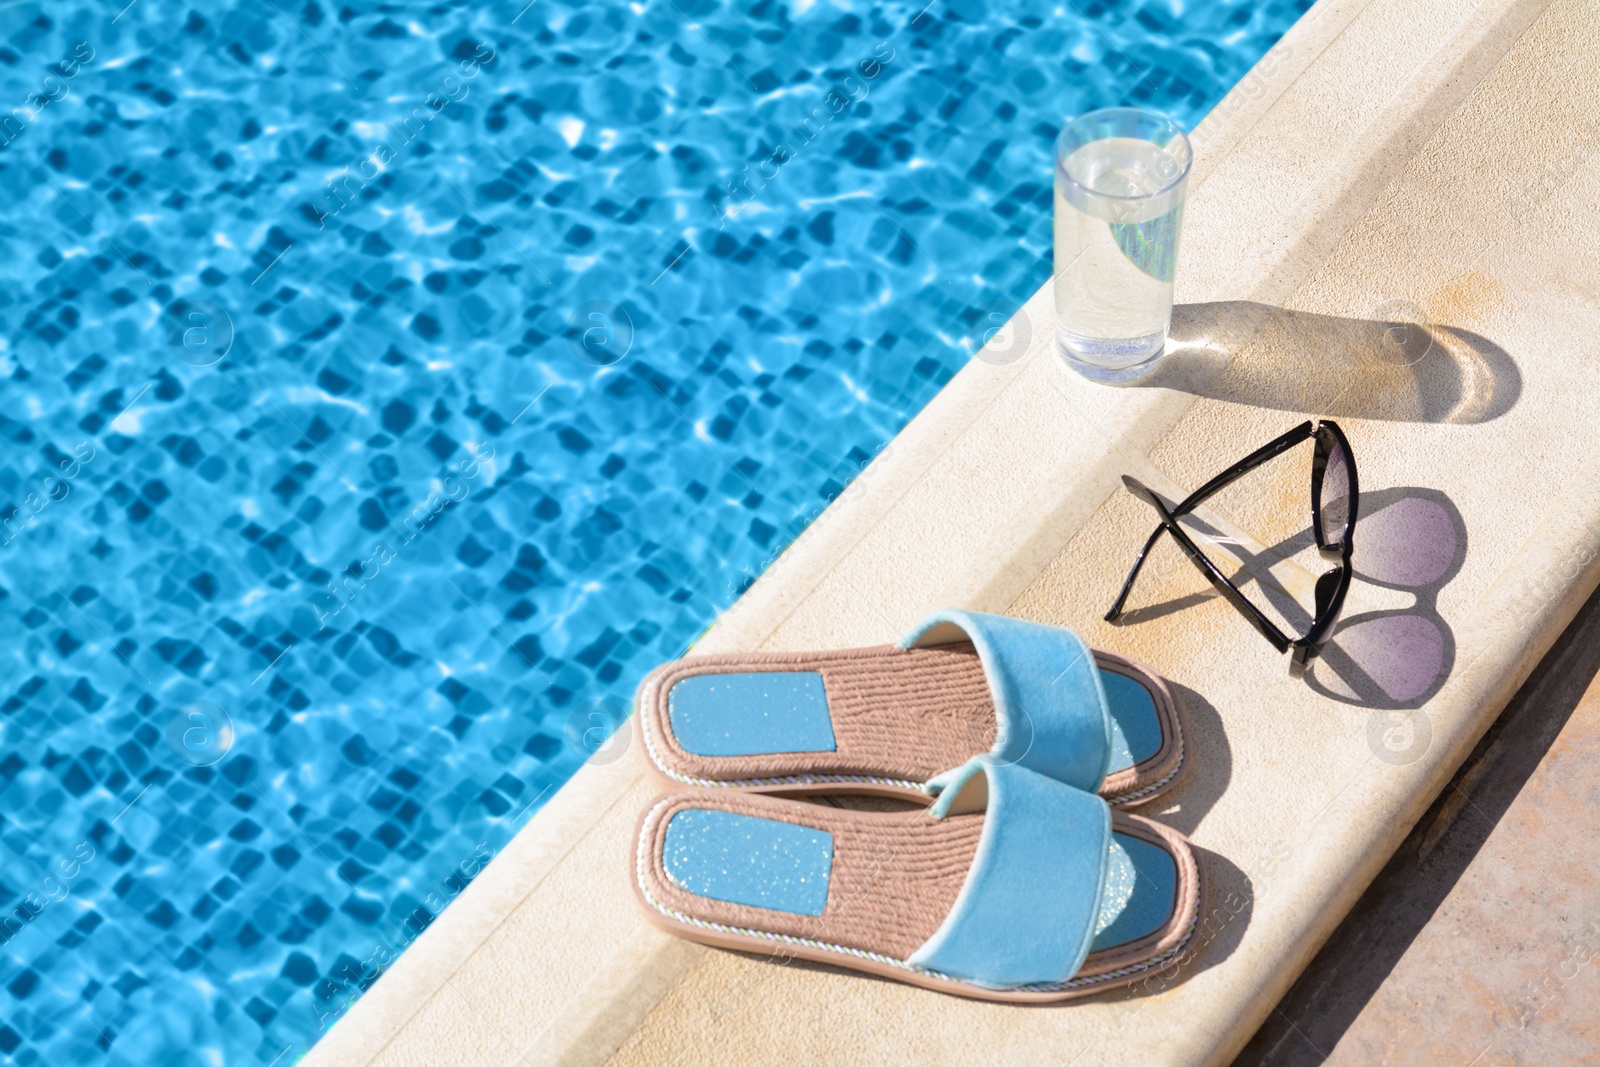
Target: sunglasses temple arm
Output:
[(1266, 452), (1127, 586), (1230, 592)]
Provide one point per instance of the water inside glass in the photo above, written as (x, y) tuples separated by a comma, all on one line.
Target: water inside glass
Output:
[(1118, 211)]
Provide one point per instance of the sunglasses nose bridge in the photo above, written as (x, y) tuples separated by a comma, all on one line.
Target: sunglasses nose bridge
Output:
[(1327, 589)]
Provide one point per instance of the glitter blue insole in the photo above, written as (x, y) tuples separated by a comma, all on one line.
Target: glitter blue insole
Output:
[(764, 863), (742, 859), (1140, 893), (1135, 729), (772, 712)]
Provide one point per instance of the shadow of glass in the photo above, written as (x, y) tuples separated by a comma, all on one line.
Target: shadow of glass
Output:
[(1397, 371)]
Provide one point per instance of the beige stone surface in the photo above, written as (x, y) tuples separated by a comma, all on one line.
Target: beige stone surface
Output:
[(1419, 160), (1479, 941)]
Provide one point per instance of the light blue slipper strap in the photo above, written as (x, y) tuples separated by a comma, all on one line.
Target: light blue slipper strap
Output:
[(1048, 696), (1028, 908)]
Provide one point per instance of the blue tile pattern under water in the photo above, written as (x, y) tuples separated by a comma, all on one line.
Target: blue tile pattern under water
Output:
[(399, 383)]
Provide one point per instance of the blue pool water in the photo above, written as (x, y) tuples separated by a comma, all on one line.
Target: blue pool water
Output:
[(387, 387)]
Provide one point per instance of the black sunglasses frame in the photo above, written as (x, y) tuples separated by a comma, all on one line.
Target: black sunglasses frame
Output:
[(1331, 587)]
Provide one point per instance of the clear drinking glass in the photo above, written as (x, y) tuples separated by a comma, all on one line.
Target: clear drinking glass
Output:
[(1121, 175)]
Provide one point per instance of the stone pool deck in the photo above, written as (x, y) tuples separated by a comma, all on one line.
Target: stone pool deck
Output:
[(1479, 943), (1421, 161)]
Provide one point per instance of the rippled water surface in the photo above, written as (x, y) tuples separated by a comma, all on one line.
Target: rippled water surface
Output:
[(385, 387)]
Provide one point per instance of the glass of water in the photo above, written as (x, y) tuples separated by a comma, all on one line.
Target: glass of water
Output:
[(1121, 174)]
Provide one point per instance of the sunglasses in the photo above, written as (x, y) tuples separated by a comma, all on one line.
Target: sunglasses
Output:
[(1333, 518)]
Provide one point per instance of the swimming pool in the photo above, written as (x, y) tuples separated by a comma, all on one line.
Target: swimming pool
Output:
[(386, 389)]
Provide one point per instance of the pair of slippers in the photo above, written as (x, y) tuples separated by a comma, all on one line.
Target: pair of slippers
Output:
[(1023, 881)]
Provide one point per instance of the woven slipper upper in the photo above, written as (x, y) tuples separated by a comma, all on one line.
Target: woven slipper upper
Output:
[(1050, 702), (1027, 910)]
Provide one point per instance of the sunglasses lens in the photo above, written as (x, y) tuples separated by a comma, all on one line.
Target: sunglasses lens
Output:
[(1335, 503)]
